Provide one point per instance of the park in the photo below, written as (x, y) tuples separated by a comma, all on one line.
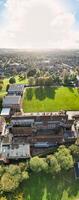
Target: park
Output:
[(49, 99)]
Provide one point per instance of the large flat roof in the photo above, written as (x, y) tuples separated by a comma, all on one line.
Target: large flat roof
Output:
[(10, 99)]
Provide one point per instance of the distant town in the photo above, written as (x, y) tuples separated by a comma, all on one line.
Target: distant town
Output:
[(25, 134)]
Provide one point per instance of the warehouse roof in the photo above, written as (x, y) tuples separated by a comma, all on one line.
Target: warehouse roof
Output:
[(11, 100)]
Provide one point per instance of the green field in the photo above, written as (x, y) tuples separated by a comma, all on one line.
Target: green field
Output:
[(50, 99), (45, 187)]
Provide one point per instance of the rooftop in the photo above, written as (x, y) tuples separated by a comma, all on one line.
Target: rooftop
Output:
[(16, 151), (41, 114), (16, 88), (11, 100), (5, 112)]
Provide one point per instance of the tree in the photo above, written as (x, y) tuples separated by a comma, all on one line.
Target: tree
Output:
[(22, 166), (1, 170), (20, 197), (7, 87), (1, 87), (9, 183), (1, 82), (38, 164), (0, 102), (64, 158), (74, 149), (3, 198), (37, 73), (65, 77), (54, 166), (13, 170), (31, 81), (12, 80), (25, 175), (48, 81), (31, 72), (40, 81)]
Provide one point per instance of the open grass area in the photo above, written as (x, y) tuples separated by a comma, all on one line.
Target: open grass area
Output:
[(50, 99), (45, 187)]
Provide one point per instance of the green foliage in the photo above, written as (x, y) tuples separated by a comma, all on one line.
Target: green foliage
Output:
[(2, 170), (54, 167), (19, 197), (7, 87), (75, 152), (1, 87), (38, 164), (8, 182), (25, 175), (13, 170), (0, 102), (31, 72), (40, 81), (64, 158), (11, 176), (31, 81), (12, 80), (1, 82), (3, 198)]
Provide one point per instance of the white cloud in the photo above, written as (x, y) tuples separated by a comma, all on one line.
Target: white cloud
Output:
[(38, 24)]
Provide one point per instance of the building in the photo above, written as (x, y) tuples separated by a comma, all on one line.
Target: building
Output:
[(5, 112), (43, 116), (12, 102), (17, 89), (35, 132), (14, 152), (2, 126), (31, 130), (22, 127)]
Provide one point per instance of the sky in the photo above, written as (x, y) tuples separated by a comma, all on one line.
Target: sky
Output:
[(39, 24)]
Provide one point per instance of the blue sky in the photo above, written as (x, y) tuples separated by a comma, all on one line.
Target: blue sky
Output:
[(39, 23)]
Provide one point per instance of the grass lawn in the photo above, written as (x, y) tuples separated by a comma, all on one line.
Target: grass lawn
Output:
[(50, 99), (44, 187)]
